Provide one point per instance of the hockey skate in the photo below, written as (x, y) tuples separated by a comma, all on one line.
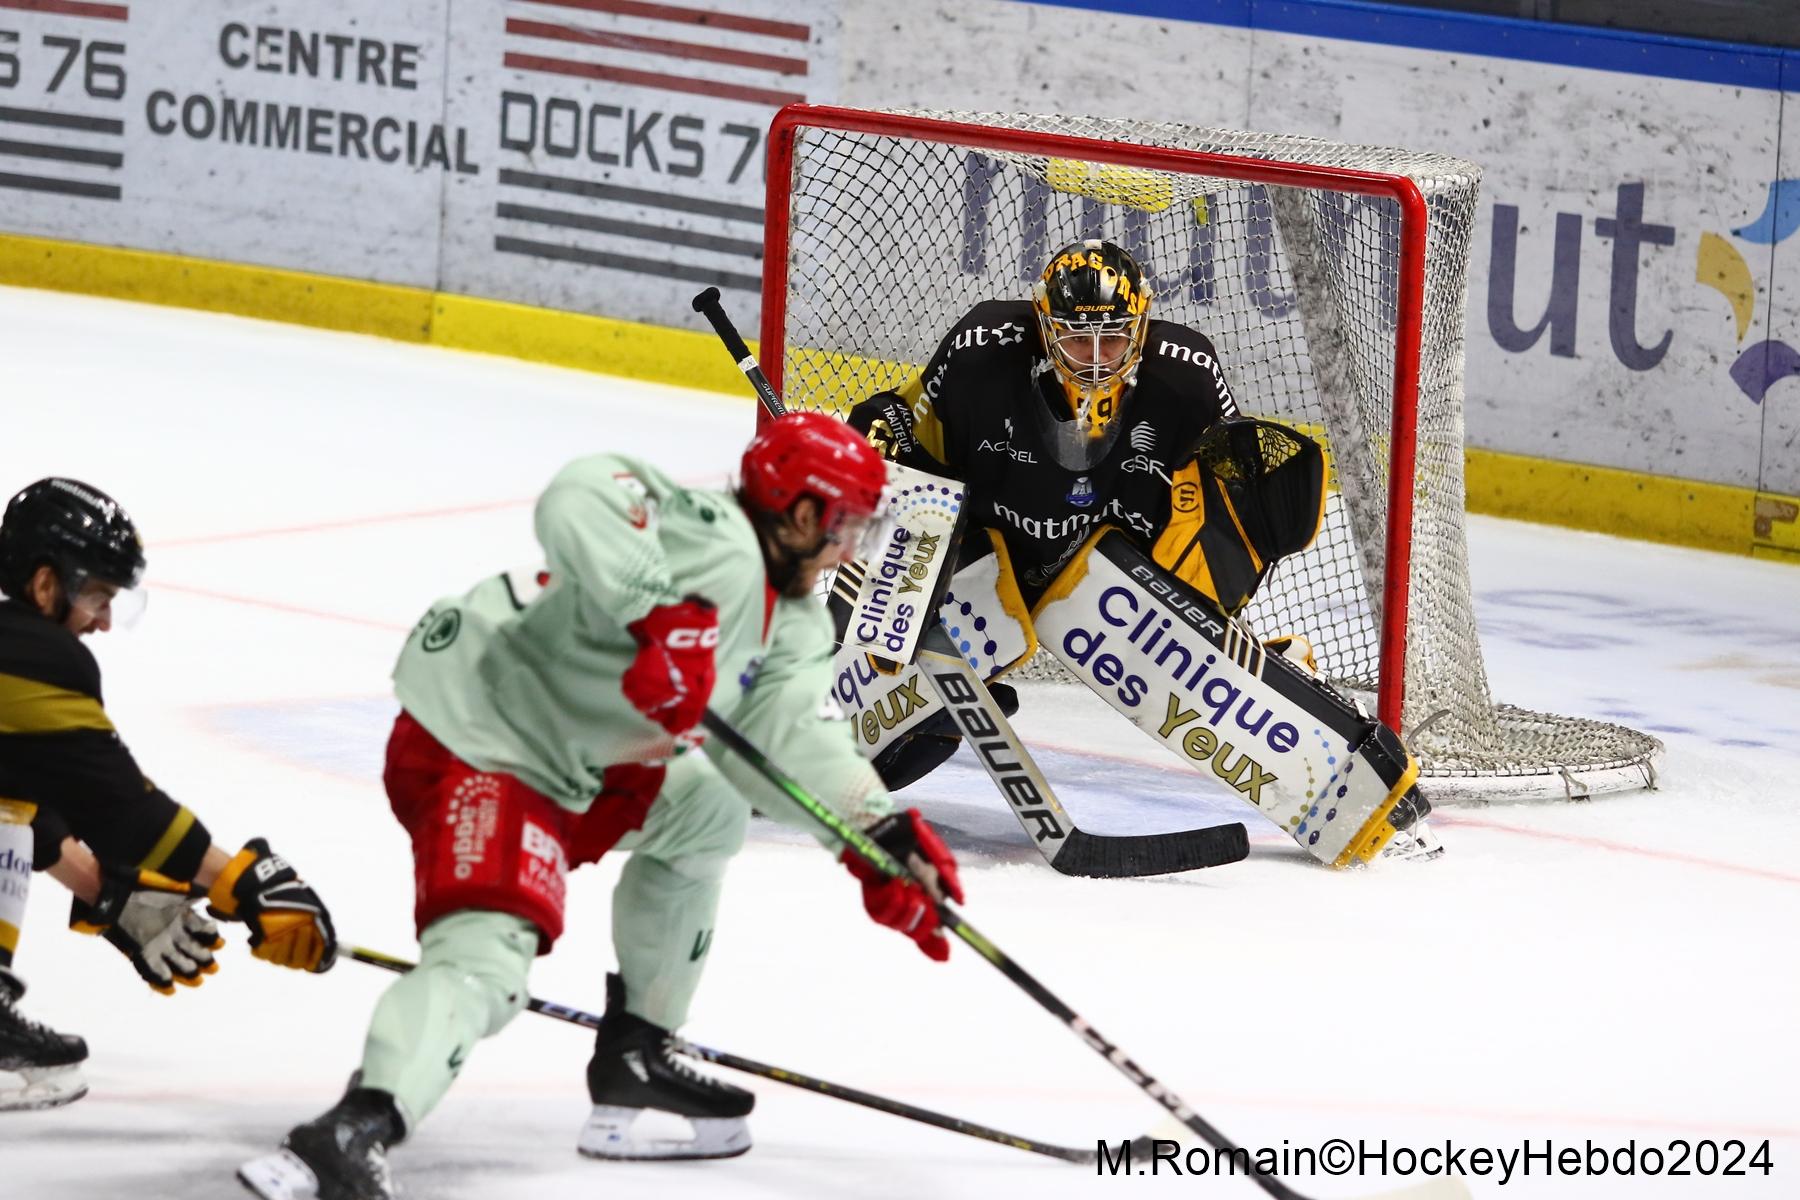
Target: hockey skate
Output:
[(637, 1084), (339, 1155), (1413, 840), (39, 1067)]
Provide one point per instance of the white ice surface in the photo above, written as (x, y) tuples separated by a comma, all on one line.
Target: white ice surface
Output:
[(1620, 969)]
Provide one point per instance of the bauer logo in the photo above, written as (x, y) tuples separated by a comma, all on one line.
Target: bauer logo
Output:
[(990, 745)]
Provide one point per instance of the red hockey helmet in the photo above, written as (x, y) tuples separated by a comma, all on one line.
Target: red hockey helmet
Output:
[(811, 454)]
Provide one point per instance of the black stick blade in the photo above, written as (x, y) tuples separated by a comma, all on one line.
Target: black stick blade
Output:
[(1096, 856)]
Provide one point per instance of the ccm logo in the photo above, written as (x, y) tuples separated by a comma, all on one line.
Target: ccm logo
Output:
[(694, 639)]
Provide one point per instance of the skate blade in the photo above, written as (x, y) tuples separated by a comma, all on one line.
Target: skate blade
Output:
[(279, 1176), (26, 1089), (609, 1134)]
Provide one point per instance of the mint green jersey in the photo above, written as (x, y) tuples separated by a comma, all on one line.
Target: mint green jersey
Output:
[(521, 674)]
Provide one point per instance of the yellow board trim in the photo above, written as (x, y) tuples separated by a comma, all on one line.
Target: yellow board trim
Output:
[(1681, 512), (32, 706), (1652, 508), (274, 294), (651, 352), (165, 845)]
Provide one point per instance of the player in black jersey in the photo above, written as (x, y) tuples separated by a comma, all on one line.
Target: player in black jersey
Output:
[(1069, 411), (74, 803), (1061, 412)]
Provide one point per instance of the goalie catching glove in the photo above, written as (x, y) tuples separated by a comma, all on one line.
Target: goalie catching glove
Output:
[(1250, 493), (909, 905), (151, 920), (288, 922)]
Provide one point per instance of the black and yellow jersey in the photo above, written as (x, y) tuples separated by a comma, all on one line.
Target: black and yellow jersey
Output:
[(60, 752), (976, 410)]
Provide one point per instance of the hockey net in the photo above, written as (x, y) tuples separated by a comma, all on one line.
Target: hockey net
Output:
[(1330, 277)]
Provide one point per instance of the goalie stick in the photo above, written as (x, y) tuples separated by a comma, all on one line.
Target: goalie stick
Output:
[(871, 852), (1002, 754), (749, 1066)]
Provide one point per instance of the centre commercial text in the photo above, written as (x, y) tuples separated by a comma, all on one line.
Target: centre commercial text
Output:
[(340, 58)]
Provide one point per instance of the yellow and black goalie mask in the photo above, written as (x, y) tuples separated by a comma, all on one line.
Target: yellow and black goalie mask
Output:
[(1093, 312)]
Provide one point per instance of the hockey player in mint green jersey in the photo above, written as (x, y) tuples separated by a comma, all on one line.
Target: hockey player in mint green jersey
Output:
[(550, 716)]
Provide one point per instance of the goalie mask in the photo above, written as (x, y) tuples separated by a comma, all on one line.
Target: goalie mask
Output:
[(1093, 312)]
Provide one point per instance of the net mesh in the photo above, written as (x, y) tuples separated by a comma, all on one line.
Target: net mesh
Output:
[(892, 238)]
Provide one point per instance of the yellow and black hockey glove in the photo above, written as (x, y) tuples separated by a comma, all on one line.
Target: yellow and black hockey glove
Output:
[(151, 920), (288, 922), (1250, 493)]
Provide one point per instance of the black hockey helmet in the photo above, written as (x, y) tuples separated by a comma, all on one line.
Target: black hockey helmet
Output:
[(77, 530), (1093, 311)]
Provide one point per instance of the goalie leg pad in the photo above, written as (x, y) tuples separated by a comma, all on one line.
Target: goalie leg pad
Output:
[(1336, 781), (985, 617)]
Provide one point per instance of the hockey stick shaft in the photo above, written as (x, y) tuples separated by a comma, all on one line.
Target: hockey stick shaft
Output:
[(808, 1083), (1065, 846), (709, 305), (872, 853)]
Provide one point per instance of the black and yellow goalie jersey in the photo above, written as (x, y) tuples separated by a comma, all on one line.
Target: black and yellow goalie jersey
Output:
[(977, 413), (60, 753)]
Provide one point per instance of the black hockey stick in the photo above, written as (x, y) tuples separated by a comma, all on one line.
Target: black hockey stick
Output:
[(1002, 754), (750, 1066), (873, 854), (1069, 848)]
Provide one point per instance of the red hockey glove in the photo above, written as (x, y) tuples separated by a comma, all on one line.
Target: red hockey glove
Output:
[(910, 905), (671, 679)]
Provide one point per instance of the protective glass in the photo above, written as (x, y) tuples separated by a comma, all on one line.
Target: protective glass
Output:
[(862, 535), (107, 604)]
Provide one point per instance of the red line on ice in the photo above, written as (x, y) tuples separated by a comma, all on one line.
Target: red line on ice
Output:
[(1578, 839), (663, 46), (690, 16), (1446, 817), (71, 8), (347, 523), (652, 79), (276, 606)]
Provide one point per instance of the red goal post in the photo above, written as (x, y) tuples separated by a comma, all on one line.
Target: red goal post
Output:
[(1322, 266)]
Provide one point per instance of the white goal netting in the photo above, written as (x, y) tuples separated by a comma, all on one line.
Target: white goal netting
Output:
[(893, 235)]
